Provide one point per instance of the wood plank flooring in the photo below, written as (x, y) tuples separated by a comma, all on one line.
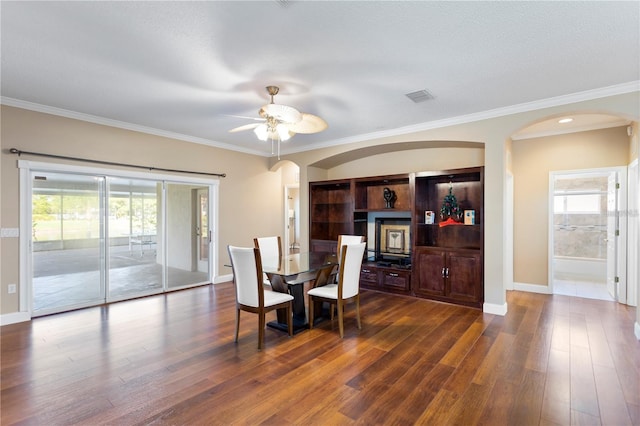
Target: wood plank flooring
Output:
[(171, 359)]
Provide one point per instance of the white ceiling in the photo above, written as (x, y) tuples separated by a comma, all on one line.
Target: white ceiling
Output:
[(184, 69)]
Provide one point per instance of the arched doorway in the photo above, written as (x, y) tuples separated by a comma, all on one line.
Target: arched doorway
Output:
[(571, 151)]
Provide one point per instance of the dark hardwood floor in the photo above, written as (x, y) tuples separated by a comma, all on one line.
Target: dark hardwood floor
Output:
[(171, 359)]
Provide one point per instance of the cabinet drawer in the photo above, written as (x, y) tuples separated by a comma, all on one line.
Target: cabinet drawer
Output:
[(398, 280), (369, 275)]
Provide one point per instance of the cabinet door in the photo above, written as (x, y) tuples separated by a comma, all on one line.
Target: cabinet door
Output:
[(429, 267), (464, 276)]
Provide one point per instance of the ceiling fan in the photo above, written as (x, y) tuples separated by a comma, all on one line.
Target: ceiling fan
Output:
[(280, 122)]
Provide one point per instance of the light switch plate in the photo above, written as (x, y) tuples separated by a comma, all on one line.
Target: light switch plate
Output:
[(10, 233)]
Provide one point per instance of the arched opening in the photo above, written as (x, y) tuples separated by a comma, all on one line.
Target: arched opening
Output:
[(561, 244)]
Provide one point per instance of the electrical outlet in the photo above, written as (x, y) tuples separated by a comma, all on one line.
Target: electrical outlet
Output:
[(11, 288)]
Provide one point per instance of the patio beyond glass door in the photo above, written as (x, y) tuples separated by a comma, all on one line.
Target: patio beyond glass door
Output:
[(67, 241), (98, 239), (135, 265)]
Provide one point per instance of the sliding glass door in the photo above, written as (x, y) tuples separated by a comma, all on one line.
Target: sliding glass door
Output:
[(135, 267), (187, 234), (97, 239), (67, 238)]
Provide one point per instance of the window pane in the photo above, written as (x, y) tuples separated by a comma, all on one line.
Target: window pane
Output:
[(135, 266), (589, 203), (187, 235), (66, 232)]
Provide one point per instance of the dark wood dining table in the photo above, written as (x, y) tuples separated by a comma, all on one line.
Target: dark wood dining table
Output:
[(289, 277)]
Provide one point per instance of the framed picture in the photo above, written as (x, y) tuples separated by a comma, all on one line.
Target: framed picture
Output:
[(469, 217), (394, 240), (429, 217)]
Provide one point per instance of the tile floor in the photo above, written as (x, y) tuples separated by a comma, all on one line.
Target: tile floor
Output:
[(588, 290)]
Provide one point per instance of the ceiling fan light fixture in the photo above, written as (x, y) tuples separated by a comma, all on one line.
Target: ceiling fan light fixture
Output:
[(281, 122), (262, 132), (282, 113), (283, 132)]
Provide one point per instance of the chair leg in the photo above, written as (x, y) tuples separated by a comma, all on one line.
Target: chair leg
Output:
[(290, 319), (261, 324), (331, 308), (341, 319), (311, 314), (237, 323), (358, 312)]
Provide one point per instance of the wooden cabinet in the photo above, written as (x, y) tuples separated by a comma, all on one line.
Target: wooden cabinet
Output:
[(448, 275), (330, 213), (369, 276), (448, 260), (369, 193), (342, 206), (386, 278), (439, 262), (395, 280)]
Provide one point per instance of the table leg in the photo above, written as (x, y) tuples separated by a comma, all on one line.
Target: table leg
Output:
[(299, 313)]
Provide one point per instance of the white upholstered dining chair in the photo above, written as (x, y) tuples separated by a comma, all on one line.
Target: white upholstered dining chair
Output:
[(343, 240), (348, 239), (250, 293), (270, 252), (346, 290)]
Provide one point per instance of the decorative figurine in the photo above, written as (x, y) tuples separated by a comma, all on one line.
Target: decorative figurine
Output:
[(389, 198)]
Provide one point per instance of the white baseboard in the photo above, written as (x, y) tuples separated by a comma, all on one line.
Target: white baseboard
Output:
[(637, 330), (14, 318), (492, 308), (223, 279), (532, 288)]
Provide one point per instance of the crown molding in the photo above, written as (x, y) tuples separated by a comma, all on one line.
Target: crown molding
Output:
[(31, 106), (587, 95), (619, 89)]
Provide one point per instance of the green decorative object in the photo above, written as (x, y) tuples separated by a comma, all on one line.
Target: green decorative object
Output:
[(450, 208)]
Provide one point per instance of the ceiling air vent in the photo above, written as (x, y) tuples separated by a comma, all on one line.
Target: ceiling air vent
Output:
[(420, 96)]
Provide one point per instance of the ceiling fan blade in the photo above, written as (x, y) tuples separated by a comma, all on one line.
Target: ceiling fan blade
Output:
[(245, 117), (309, 124), (245, 127)]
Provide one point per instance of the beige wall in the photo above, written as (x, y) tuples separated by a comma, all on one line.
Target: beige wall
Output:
[(533, 159), (251, 200), (417, 160)]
